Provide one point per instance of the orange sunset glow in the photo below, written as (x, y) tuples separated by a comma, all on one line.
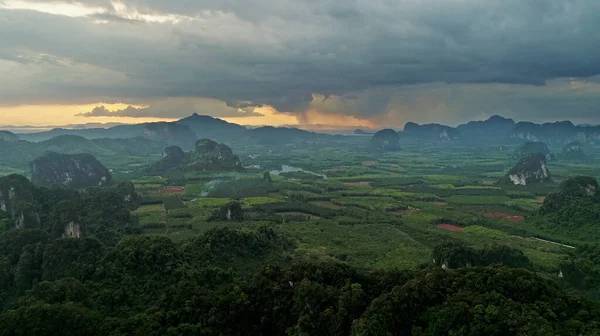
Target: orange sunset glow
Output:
[(59, 115), (55, 115)]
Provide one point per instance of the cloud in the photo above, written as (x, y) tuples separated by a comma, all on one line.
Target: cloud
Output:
[(101, 111), (371, 59), (560, 99), (176, 108)]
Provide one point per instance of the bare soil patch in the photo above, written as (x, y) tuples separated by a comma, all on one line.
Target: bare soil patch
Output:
[(489, 182), (172, 190), (369, 163), (450, 227), (440, 203), (358, 184), (540, 199), (327, 204), (406, 212), (516, 219)]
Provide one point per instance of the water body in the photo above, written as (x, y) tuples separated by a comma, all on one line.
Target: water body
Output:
[(292, 169)]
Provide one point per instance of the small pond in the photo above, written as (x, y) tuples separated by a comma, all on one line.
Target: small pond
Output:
[(292, 169)]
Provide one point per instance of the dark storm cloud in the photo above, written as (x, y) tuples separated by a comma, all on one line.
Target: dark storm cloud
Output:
[(284, 52)]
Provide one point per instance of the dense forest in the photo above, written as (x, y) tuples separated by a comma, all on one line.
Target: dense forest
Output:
[(148, 285)]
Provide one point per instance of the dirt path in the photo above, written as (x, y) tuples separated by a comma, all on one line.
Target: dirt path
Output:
[(555, 243), (515, 219), (450, 227)]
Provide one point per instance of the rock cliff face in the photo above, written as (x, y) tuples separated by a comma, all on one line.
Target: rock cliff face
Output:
[(72, 170), (17, 201), (126, 192), (207, 156), (72, 230), (231, 211), (531, 147), (573, 151), (530, 169), (384, 141), (8, 136), (65, 220)]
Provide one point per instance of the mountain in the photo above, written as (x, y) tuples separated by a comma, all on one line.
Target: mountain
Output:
[(19, 154), (431, 131), (121, 131), (556, 133), (170, 133), (172, 158), (276, 136), (164, 132), (575, 208), (496, 128), (384, 141), (530, 169), (17, 201), (359, 131), (72, 170), (206, 127), (531, 147), (208, 155), (8, 136), (65, 212), (500, 129), (184, 132), (573, 151)]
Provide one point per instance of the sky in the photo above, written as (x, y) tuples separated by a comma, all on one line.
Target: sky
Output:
[(344, 63)]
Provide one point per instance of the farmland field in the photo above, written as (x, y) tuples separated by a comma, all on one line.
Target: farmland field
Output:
[(374, 210)]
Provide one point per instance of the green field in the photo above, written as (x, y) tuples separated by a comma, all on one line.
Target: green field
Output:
[(374, 210)]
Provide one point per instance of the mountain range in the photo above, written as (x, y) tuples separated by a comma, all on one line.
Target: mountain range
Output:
[(186, 131), (500, 130)]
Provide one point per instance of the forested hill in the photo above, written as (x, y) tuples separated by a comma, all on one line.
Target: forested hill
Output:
[(148, 285), (19, 154)]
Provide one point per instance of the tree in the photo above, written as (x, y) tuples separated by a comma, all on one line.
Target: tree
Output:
[(6, 273), (72, 258), (28, 270), (41, 319)]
